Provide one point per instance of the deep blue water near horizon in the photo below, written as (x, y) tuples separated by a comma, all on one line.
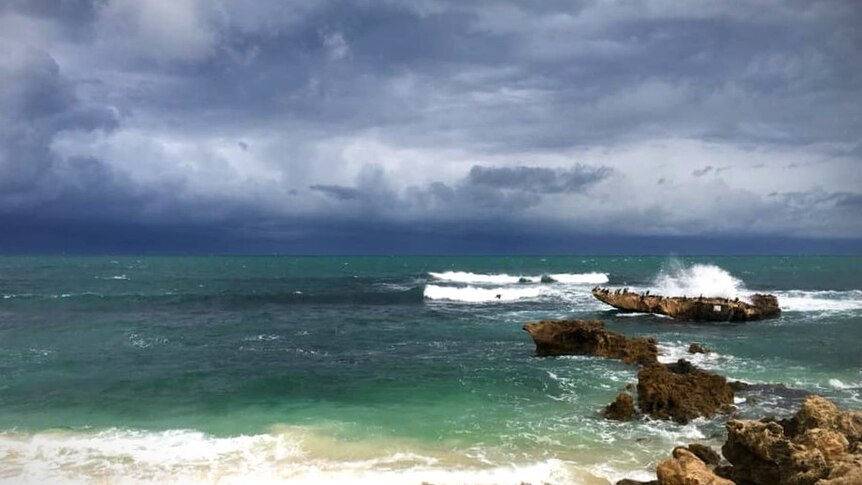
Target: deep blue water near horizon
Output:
[(378, 369)]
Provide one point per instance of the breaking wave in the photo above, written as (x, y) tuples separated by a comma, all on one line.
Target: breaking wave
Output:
[(698, 279), (820, 301), (471, 294), (502, 278), (288, 455)]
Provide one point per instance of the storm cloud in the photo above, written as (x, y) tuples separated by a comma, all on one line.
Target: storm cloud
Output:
[(290, 121)]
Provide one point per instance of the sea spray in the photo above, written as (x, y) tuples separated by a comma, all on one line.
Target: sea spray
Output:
[(699, 279)]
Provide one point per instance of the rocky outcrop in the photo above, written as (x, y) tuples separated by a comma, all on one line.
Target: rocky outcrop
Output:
[(694, 309), (622, 409), (682, 392), (819, 445), (589, 337), (687, 469), (696, 348)]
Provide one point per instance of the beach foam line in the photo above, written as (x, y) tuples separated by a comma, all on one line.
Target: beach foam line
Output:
[(472, 294), (503, 278), (286, 456)]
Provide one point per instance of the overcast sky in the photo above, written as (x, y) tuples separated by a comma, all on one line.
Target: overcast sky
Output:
[(430, 125)]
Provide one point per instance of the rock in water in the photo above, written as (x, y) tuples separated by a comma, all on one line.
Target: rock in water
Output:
[(696, 348), (820, 444), (695, 309), (589, 337), (687, 469), (682, 392), (622, 409)]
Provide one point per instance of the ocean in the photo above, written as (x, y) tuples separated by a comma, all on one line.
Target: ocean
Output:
[(380, 370)]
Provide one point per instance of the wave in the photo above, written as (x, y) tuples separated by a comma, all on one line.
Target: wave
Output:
[(698, 279), (471, 294), (820, 301), (503, 278), (669, 352), (287, 455)]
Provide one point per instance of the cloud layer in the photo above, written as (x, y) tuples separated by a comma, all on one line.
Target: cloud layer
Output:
[(292, 120)]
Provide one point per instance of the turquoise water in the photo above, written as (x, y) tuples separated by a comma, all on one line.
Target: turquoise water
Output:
[(375, 369)]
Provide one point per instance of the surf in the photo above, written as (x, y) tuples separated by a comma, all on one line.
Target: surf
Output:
[(472, 294), (504, 278)]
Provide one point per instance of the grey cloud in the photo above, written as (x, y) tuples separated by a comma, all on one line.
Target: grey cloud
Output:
[(297, 80), (538, 179), (36, 104), (709, 169), (339, 192), (486, 191)]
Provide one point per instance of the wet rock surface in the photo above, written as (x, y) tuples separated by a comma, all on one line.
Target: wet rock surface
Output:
[(589, 337), (682, 392), (622, 409), (696, 348)]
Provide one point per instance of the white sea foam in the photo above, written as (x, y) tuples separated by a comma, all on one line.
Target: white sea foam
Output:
[(838, 384), (465, 277), (669, 352), (291, 455), (503, 278), (820, 301), (115, 277), (581, 278), (471, 294), (698, 279)]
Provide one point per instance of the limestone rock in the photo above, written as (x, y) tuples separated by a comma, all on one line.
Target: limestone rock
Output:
[(682, 392), (707, 309), (705, 453), (589, 337), (622, 409), (687, 469), (819, 445)]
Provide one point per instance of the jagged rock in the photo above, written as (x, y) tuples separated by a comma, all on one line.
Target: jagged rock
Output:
[(695, 309), (589, 337), (819, 445), (687, 469), (761, 454), (696, 348), (705, 453), (682, 392), (622, 409), (819, 412)]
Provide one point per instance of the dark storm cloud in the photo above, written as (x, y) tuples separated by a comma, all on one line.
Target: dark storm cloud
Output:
[(131, 109), (537, 179), (37, 103)]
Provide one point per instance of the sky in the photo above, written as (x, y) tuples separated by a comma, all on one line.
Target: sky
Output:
[(430, 126)]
